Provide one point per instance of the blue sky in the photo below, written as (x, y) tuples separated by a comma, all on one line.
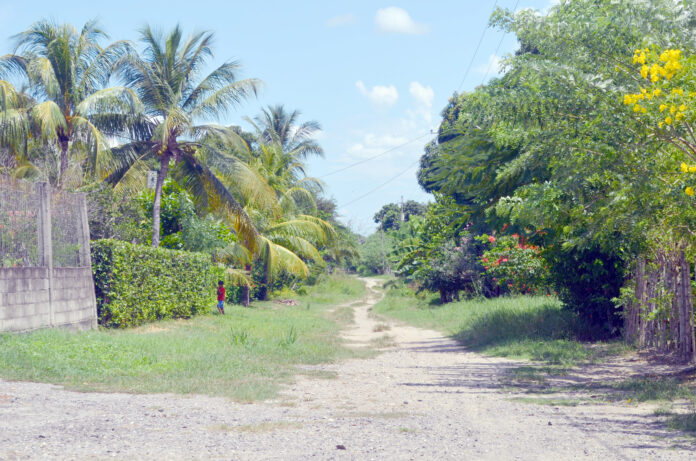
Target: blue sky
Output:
[(375, 75)]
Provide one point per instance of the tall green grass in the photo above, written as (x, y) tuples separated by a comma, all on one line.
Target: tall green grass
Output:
[(244, 354), (527, 327)]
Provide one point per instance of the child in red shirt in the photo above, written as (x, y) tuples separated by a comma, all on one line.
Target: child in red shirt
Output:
[(221, 297)]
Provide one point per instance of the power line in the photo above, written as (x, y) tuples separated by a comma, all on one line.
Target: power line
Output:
[(381, 185), (473, 57), (360, 162), (497, 49)]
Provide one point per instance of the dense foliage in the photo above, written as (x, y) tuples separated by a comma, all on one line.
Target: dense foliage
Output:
[(578, 164), (136, 284), (244, 198)]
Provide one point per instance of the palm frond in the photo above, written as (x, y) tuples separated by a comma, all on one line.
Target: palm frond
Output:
[(234, 252), (49, 118), (100, 160), (304, 228), (299, 246), (221, 101), (206, 185), (237, 277), (279, 258)]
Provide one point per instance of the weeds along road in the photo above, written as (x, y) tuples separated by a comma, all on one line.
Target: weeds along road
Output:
[(422, 397)]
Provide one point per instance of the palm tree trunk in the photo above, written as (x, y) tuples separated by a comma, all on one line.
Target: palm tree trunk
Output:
[(63, 143), (263, 289), (164, 167), (245, 289)]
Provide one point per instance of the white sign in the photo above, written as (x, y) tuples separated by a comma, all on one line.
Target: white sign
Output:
[(151, 179)]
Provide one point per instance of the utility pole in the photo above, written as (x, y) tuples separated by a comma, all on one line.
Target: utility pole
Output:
[(385, 264), (403, 216)]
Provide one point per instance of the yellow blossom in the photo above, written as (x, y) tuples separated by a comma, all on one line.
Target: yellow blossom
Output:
[(679, 116), (682, 108), (684, 167), (692, 169), (689, 191), (662, 106), (668, 120)]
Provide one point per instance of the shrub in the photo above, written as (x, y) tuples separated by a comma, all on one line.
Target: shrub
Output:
[(452, 268), (514, 264), (587, 281), (136, 284)]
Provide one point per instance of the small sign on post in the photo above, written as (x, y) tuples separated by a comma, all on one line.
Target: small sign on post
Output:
[(151, 179)]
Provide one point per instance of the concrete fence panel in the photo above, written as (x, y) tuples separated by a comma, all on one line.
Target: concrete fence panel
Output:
[(45, 275)]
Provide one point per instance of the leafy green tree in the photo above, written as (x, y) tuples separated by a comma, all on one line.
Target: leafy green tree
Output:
[(391, 215), (374, 254), (550, 147), (167, 79), (388, 217)]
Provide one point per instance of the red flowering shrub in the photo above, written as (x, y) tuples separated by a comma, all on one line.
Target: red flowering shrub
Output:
[(515, 265)]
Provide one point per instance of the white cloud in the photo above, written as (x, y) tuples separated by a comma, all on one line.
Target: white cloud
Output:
[(397, 20), (341, 20), (423, 95), (372, 144), (492, 67), (380, 95)]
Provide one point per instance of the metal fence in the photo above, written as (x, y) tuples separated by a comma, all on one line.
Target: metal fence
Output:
[(27, 239), (19, 227)]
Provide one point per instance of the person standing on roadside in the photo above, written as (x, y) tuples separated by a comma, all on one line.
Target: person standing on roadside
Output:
[(221, 297)]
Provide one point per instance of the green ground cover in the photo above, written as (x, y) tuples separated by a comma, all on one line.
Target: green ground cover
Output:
[(528, 327), (243, 355)]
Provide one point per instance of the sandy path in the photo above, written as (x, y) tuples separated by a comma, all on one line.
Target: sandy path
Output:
[(424, 397)]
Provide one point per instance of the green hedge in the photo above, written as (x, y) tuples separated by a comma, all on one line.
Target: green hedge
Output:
[(136, 284)]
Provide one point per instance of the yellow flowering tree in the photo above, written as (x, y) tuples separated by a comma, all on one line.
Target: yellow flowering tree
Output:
[(667, 100)]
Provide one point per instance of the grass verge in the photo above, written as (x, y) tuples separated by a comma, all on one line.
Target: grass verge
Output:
[(243, 355), (533, 328)]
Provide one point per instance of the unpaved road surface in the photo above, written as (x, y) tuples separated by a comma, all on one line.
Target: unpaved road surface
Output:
[(424, 397)]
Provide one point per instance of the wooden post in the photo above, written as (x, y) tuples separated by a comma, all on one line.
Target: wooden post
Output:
[(686, 312), (673, 287), (651, 325), (640, 302)]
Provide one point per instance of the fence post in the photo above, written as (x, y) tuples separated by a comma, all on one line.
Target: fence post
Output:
[(45, 242), (84, 255), (85, 250)]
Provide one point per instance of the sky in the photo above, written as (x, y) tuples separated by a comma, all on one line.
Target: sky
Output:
[(375, 75)]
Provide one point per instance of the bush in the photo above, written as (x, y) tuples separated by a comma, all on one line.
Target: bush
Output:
[(514, 264), (587, 281), (452, 268), (136, 284)]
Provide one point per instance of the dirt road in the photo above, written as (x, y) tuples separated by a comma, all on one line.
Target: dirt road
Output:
[(424, 397)]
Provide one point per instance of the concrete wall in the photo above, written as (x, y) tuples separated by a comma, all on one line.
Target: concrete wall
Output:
[(30, 299)]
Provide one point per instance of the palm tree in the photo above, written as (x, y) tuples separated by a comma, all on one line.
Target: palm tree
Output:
[(288, 235), (176, 101), (66, 73), (276, 126), (282, 143)]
